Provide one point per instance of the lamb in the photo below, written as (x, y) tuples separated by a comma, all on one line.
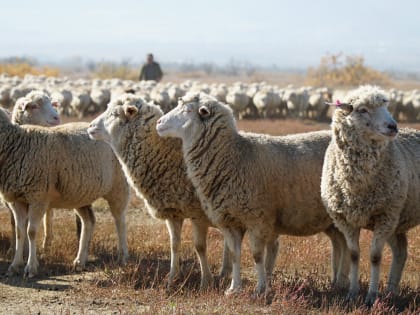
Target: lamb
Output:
[(155, 169), (58, 167), (263, 184), (371, 180)]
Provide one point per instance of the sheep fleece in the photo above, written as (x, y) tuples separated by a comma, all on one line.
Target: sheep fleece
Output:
[(59, 154)]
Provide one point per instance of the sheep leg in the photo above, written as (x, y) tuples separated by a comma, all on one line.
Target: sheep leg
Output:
[(376, 248), (20, 213), (78, 227), (226, 269), (339, 258), (272, 249), (35, 213), (258, 246), (233, 237), (200, 243), (13, 232), (352, 238), (174, 227), (117, 208), (398, 244), (88, 221), (48, 233)]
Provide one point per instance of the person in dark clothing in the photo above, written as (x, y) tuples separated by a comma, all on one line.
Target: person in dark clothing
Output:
[(151, 70)]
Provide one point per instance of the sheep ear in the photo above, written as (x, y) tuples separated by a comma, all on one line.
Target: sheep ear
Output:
[(204, 111), (55, 104), (130, 111), (28, 105)]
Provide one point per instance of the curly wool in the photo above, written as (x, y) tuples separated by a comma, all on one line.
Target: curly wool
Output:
[(155, 166), (364, 177)]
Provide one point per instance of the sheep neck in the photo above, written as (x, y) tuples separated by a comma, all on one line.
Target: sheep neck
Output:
[(208, 155), (141, 148)]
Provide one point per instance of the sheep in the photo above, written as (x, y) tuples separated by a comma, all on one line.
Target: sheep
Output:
[(238, 100), (80, 103), (268, 103), (36, 108), (64, 97), (155, 169), (5, 99), (262, 184), (100, 97), (58, 167), (371, 180), (161, 98)]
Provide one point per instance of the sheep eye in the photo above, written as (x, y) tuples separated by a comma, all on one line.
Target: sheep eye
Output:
[(362, 111)]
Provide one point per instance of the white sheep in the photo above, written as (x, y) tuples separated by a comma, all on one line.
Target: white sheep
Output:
[(371, 179), (36, 108), (57, 167), (155, 169), (262, 184)]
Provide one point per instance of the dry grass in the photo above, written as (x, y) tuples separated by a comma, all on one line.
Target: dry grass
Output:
[(21, 68), (301, 279)]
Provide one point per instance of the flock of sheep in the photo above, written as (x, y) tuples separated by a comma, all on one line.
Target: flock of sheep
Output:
[(82, 97), (193, 163)]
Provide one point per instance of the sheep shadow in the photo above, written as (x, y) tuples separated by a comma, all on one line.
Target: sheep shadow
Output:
[(50, 281)]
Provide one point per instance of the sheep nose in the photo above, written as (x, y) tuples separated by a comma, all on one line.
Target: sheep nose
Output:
[(393, 127)]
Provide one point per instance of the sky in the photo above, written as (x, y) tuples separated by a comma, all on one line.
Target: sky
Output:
[(285, 33)]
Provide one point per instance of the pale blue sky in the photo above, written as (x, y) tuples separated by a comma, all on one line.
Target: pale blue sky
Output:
[(287, 33)]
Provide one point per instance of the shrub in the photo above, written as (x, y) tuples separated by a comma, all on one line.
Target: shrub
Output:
[(344, 71)]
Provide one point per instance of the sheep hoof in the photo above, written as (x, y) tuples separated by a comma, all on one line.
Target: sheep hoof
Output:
[(259, 291), (13, 271), (232, 291), (371, 298), (206, 283), (351, 296), (341, 283), (29, 273), (122, 260), (78, 265)]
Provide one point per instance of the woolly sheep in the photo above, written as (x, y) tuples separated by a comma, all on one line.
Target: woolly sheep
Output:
[(5, 99), (371, 179), (267, 102), (57, 167), (64, 97), (80, 103), (36, 108), (155, 169), (263, 184)]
